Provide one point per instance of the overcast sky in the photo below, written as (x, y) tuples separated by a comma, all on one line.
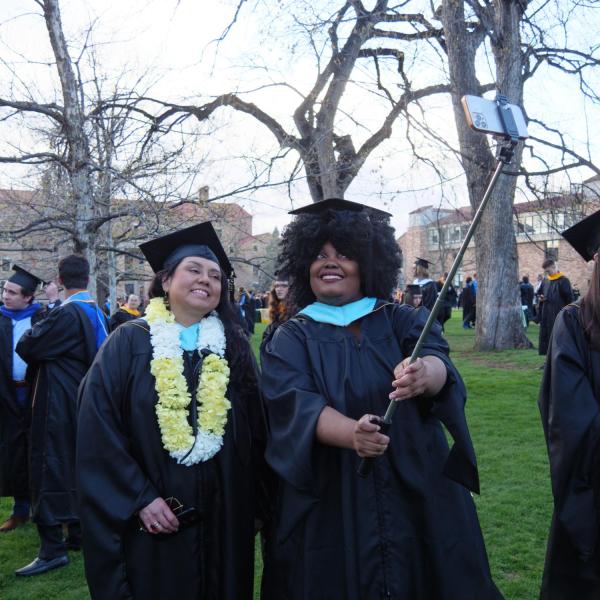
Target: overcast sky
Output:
[(174, 40)]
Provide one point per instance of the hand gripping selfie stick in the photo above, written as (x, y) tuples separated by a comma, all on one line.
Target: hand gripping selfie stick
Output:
[(511, 134)]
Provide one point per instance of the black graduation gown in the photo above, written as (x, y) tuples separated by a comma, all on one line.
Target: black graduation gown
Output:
[(14, 419), (449, 301), (467, 300), (429, 293), (122, 467), (61, 348), (406, 532), (557, 294), (47, 310), (570, 408), (120, 317)]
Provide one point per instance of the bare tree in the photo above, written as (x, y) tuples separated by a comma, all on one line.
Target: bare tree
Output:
[(98, 193), (454, 34)]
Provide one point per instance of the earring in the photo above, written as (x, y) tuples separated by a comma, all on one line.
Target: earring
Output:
[(167, 303)]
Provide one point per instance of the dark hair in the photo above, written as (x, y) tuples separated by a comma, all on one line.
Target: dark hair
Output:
[(548, 263), (74, 272), (27, 291), (590, 310), (238, 352), (525, 279), (468, 280), (363, 236)]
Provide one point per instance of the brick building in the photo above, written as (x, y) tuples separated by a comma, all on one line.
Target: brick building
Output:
[(40, 249), (437, 233)]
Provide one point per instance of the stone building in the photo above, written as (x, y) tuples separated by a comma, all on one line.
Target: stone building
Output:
[(31, 236), (436, 234)]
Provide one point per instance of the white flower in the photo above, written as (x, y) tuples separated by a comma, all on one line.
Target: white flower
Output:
[(165, 341)]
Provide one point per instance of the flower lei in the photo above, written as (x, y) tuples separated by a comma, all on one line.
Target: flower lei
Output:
[(174, 397)]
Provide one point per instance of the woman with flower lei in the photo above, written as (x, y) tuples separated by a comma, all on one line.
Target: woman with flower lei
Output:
[(171, 424)]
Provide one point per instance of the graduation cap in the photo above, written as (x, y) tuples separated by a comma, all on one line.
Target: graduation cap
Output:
[(585, 236), (422, 262), (337, 204), (198, 240), (24, 278)]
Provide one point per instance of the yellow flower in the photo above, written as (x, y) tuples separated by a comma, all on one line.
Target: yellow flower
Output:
[(173, 394)]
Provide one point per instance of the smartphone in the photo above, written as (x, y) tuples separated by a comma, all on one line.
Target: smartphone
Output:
[(482, 115)]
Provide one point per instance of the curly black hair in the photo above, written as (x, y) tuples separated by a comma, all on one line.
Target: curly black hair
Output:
[(365, 237)]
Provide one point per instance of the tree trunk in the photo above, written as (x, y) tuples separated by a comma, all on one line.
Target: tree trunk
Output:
[(499, 323), (79, 155)]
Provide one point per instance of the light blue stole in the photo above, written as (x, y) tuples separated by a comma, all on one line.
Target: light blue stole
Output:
[(339, 315)]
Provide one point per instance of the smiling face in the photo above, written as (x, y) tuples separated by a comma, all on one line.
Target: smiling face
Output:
[(13, 298), (334, 278), (194, 289), (133, 301)]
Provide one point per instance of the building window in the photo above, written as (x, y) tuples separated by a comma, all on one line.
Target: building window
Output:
[(129, 287), (551, 250), (433, 237), (5, 264), (454, 234), (255, 270)]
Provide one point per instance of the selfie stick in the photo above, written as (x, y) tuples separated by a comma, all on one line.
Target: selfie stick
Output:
[(505, 154)]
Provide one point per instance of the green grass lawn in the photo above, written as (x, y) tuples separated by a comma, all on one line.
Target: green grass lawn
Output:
[(515, 502)]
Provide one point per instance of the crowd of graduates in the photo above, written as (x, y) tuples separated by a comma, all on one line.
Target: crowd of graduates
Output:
[(152, 440)]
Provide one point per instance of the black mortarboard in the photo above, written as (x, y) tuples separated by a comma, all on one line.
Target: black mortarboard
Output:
[(585, 236), (337, 204), (422, 262), (24, 278), (199, 240)]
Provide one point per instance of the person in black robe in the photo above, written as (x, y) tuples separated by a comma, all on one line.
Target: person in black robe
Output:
[(449, 300), (526, 291), (60, 349), (18, 313), (570, 408), (409, 530), (429, 290), (467, 301), (554, 294), (134, 545), (128, 312)]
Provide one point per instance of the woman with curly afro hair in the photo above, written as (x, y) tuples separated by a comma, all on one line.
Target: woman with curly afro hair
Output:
[(409, 530)]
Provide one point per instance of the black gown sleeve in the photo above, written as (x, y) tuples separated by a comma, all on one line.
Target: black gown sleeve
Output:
[(566, 291), (571, 421), (111, 485), (449, 404), (294, 405), (51, 338)]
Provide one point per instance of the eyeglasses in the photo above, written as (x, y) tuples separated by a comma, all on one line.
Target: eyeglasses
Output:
[(173, 503)]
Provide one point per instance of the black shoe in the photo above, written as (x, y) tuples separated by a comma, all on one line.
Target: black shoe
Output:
[(39, 566)]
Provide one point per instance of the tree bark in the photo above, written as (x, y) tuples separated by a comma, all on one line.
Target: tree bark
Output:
[(499, 323), (78, 162)]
